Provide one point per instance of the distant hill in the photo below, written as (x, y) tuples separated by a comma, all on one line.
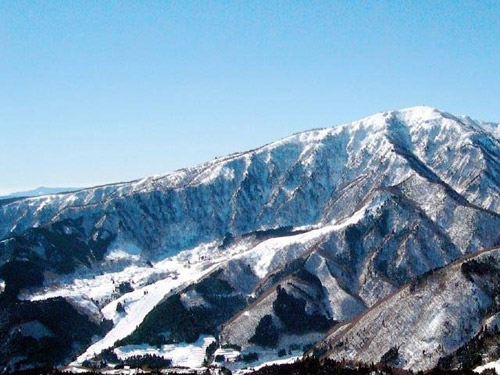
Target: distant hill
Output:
[(39, 191)]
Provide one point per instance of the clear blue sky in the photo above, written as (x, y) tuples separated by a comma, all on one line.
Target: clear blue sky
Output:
[(103, 91)]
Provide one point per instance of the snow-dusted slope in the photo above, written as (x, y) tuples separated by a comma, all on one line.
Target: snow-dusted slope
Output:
[(269, 185), (426, 320), (363, 207)]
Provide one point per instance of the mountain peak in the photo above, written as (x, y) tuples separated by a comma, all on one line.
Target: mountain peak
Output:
[(410, 116), (422, 110)]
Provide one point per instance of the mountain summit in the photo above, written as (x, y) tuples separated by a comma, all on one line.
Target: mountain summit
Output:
[(264, 251)]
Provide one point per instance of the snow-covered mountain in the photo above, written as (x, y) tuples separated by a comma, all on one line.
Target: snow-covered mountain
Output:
[(316, 228)]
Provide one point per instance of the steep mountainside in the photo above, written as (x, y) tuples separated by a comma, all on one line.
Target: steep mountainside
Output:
[(426, 320), (317, 228)]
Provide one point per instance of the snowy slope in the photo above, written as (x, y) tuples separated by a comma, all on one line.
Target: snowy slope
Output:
[(495, 365), (183, 355), (280, 175), (425, 320)]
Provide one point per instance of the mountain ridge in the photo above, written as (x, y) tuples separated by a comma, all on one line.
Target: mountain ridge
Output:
[(488, 127)]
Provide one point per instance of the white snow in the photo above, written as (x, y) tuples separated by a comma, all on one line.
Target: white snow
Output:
[(74, 369), (264, 256), (230, 355), (261, 364), (182, 354), (491, 365), (141, 301)]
